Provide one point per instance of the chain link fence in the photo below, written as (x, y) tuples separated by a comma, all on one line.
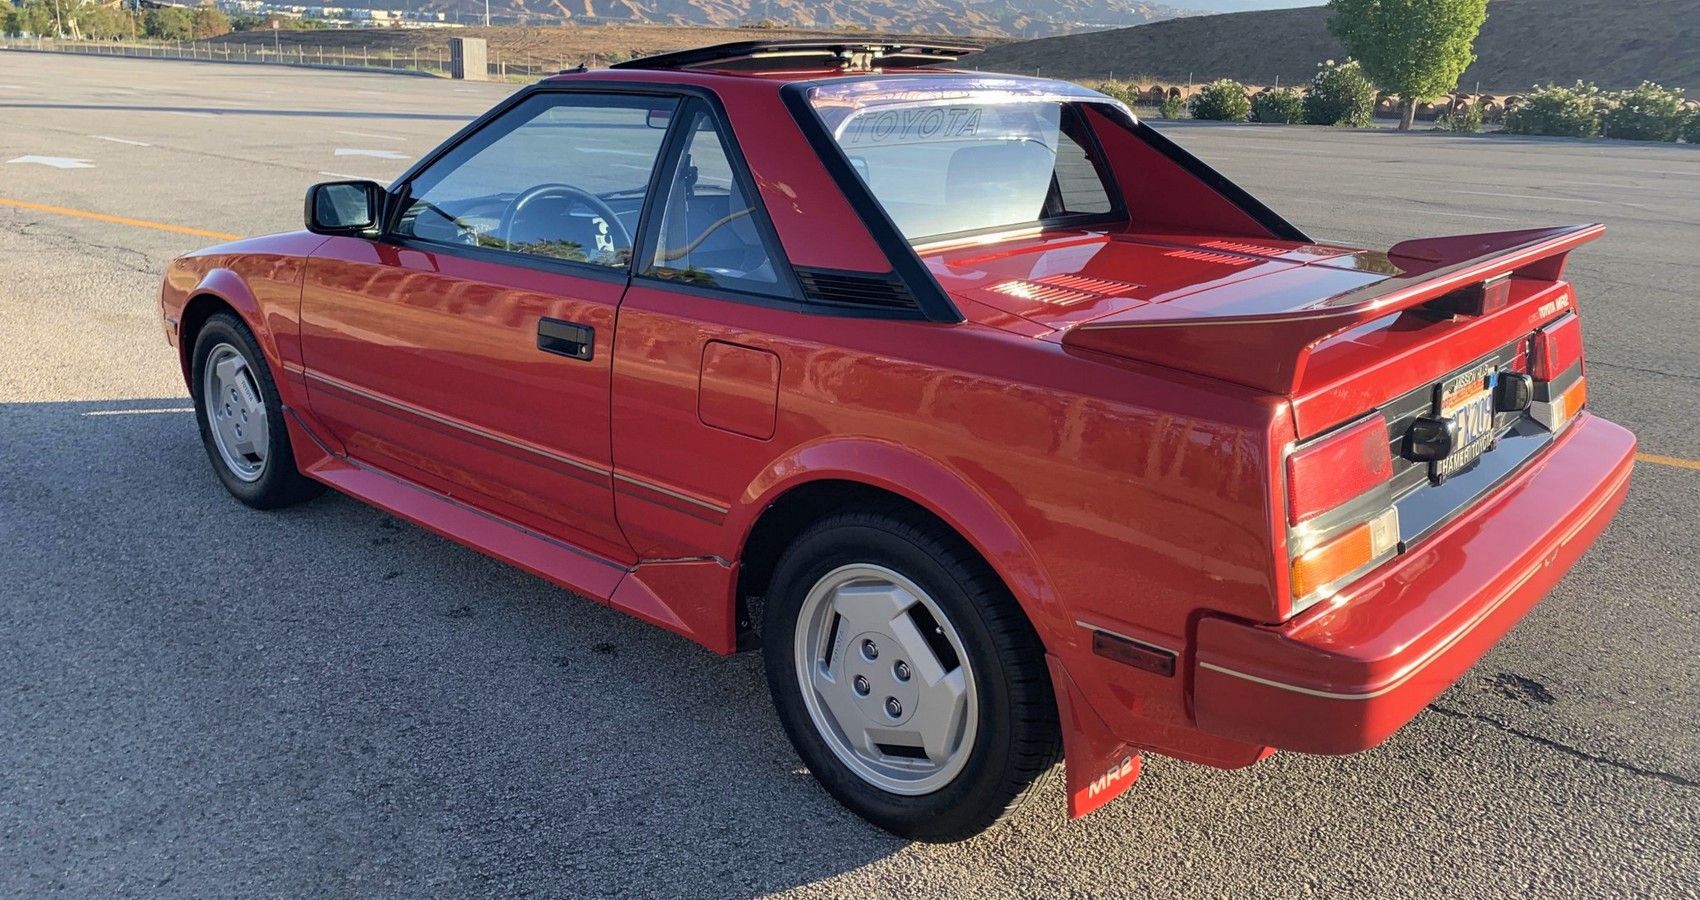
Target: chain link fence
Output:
[(420, 60)]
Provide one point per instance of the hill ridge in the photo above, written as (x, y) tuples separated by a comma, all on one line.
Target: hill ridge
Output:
[(1615, 43)]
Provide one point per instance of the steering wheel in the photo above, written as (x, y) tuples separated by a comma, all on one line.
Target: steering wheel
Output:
[(616, 228)]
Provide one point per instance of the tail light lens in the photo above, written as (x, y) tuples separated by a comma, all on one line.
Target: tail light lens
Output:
[(1561, 391), (1557, 347), (1340, 511), (1326, 473), (1565, 406), (1342, 554)]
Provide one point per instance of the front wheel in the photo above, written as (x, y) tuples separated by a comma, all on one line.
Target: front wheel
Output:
[(907, 677), (241, 417)]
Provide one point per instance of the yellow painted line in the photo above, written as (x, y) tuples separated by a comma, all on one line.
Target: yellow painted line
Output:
[(117, 220), (1676, 461)]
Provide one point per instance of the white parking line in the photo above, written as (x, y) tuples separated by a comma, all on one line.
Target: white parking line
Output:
[(139, 412), (368, 134), (102, 137), (375, 154), (1436, 212), (349, 177), (1545, 197), (57, 162)]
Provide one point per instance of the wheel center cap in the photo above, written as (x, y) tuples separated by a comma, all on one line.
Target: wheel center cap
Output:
[(880, 679)]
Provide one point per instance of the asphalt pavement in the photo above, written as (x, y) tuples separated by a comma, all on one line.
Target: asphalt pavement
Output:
[(197, 699)]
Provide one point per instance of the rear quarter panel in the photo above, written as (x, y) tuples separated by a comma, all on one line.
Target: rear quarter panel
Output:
[(1128, 497)]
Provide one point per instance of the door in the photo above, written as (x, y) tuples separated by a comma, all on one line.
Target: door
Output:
[(469, 349), (702, 342)]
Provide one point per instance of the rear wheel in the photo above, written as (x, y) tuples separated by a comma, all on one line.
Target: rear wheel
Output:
[(241, 418), (908, 678)]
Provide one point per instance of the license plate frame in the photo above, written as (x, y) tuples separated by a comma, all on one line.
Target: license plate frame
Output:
[(1467, 398)]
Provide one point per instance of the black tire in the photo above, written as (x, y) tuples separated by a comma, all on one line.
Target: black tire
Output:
[(279, 483), (1016, 744)]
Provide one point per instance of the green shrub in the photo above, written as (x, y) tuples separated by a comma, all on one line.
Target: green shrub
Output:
[(1557, 110), (1691, 131), (1123, 91), (1467, 119), (1646, 113), (1285, 106), (1172, 108), (1223, 100), (1340, 95)]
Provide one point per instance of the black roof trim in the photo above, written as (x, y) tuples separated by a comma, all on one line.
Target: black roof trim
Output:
[(805, 53)]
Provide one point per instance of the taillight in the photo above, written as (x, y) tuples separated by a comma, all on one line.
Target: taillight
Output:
[(1342, 554), (1561, 391), (1340, 511), (1326, 473), (1557, 347)]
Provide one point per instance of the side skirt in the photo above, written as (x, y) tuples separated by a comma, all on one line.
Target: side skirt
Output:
[(573, 568), (690, 597)]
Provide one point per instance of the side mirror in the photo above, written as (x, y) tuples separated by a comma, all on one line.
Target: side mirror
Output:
[(345, 207)]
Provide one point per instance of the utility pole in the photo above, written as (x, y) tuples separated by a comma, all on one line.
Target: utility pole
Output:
[(486, 13)]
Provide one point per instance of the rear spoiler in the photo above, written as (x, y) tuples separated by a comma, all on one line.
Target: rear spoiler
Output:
[(1265, 343)]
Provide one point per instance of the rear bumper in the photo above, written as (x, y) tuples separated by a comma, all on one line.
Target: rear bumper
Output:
[(1343, 678)]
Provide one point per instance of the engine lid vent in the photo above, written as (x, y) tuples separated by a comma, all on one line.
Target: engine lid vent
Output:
[(857, 290)]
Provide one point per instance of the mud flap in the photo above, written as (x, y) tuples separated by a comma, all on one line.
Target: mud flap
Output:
[(1097, 766)]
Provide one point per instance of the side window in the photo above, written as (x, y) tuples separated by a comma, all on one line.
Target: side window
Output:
[(561, 176), (709, 233), (1080, 189)]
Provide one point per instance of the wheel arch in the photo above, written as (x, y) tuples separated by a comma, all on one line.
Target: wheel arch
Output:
[(221, 290), (823, 479)]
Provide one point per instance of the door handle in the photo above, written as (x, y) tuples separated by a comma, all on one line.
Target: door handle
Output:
[(564, 338)]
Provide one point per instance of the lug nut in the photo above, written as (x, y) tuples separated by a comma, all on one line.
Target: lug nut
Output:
[(893, 708), (860, 683), (901, 670), (869, 650)]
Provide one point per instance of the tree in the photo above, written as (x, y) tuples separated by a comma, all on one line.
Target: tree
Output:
[(34, 18), (1415, 48), (169, 23), (209, 22)]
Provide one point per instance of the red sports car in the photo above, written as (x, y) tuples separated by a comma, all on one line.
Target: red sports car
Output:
[(1004, 427)]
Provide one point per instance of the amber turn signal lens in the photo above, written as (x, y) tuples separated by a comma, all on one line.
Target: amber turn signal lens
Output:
[(1344, 554), (1569, 404)]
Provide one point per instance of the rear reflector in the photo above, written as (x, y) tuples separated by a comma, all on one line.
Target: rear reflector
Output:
[(1557, 347), (1343, 555), (1325, 474), (1133, 653)]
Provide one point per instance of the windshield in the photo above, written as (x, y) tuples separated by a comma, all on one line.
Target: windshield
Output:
[(947, 156)]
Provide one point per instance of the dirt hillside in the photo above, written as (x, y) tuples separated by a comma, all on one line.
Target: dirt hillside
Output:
[(561, 46), (1615, 43)]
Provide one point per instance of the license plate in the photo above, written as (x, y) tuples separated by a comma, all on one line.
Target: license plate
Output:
[(1467, 400)]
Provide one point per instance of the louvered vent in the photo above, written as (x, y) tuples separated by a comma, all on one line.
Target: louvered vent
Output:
[(1043, 293), (1237, 247), (857, 290), (1226, 259), (1108, 287)]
